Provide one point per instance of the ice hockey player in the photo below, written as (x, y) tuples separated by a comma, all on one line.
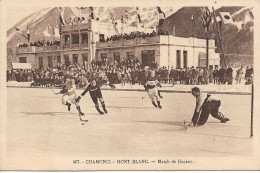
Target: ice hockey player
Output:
[(152, 91), (64, 91), (69, 94), (206, 104), (95, 94)]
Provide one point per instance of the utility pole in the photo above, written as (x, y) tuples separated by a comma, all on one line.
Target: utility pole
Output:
[(206, 20), (192, 34), (219, 37)]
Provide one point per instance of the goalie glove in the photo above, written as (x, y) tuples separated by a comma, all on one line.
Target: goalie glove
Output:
[(195, 118), (78, 99)]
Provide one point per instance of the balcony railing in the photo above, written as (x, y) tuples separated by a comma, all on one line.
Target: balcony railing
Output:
[(34, 49), (132, 42)]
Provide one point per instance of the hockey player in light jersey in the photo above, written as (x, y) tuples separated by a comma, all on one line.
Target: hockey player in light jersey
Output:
[(152, 91), (69, 96), (206, 104)]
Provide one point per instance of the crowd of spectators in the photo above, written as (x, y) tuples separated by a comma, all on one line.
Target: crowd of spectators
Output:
[(134, 35), (40, 44), (128, 71)]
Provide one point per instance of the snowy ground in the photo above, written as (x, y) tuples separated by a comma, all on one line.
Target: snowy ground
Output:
[(39, 124)]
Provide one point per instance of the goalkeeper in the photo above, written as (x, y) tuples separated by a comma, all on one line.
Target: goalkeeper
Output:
[(206, 104)]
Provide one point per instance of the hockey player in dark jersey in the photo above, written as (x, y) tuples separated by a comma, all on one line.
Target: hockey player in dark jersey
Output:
[(152, 91), (95, 94), (206, 104)]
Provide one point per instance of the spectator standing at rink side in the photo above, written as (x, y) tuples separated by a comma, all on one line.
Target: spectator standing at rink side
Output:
[(248, 75), (215, 76), (205, 76), (229, 74), (206, 104), (200, 76), (251, 74), (211, 75), (222, 75), (239, 75), (194, 75)]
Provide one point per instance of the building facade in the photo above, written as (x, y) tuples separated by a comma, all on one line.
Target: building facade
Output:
[(82, 42)]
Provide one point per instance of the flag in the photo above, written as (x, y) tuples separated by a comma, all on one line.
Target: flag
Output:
[(126, 15), (18, 30), (53, 31), (114, 23), (139, 18), (138, 15), (206, 19), (226, 17), (173, 30), (28, 33), (61, 16), (251, 14), (122, 20), (83, 10), (61, 21), (192, 25), (91, 13), (219, 21), (161, 16)]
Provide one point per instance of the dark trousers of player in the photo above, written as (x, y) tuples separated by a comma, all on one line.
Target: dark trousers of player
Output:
[(94, 96), (210, 108)]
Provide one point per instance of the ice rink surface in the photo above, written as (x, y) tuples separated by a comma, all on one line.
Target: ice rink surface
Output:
[(37, 123)]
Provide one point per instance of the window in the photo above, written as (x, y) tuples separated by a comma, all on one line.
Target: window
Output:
[(50, 61), (130, 55), (67, 40), (148, 58), (58, 59), (101, 37), (185, 55), (75, 38), (23, 59), (66, 60), (117, 57), (75, 58), (84, 57), (84, 37), (178, 59), (216, 66), (40, 62), (104, 56)]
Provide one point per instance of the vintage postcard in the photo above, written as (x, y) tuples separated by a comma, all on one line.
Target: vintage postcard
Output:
[(129, 85)]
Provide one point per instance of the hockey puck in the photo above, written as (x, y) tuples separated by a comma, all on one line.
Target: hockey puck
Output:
[(82, 123)]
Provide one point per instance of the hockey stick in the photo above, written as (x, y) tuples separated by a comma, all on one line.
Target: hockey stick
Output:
[(53, 91), (79, 112), (82, 119)]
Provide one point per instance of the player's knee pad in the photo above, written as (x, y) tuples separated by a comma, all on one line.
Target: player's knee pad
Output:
[(96, 105)]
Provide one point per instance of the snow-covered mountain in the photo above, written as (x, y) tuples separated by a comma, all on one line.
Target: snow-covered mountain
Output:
[(237, 36), (44, 24)]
